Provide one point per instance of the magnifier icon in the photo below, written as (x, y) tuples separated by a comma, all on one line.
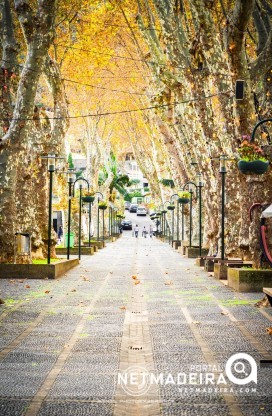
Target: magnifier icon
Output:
[(240, 368)]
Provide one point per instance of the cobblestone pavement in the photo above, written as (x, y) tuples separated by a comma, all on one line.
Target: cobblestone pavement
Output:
[(64, 342)]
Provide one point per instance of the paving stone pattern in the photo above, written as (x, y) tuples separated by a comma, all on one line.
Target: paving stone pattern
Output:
[(63, 342)]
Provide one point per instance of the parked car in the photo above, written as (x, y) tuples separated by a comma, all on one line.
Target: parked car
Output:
[(141, 211), (127, 205), (126, 225), (133, 208)]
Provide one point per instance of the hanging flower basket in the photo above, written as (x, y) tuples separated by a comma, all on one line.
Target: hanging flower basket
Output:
[(164, 211), (257, 167), (184, 197), (183, 200), (171, 207), (252, 160), (102, 205), (88, 198)]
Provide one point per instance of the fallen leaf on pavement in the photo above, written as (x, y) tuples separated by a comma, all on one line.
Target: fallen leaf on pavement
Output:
[(73, 290), (196, 322), (86, 279), (137, 282), (168, 283), (21, 281), (122, 307), (269, 330), (134, 277), (224, 313), (47, 291), (27, 286)]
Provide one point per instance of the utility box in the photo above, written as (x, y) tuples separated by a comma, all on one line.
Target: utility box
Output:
[(22, 245)]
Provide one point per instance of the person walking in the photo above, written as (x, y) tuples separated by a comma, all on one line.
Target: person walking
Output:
[(60, 234), (136, 231), (151, 231), (144, 232)]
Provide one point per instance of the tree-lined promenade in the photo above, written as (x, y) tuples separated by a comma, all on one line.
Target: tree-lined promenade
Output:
[(158, 78)]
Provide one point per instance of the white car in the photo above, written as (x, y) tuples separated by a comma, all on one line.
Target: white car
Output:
[(141, 211)]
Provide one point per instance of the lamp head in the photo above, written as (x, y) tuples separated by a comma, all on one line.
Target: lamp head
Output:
[(223, 160), (51, 162), (71, 176), (200, 184)]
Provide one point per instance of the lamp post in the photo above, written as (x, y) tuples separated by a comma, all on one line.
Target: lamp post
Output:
[(70, 179), (80, 181), (176, 195), (98, 199), (90, 222), (172, 208), (199, 187), (223, 172), (51, 167), (190, 189), (165, 212), (110, 220)]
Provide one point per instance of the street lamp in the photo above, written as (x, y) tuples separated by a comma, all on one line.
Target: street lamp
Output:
[(199, 186), (177, 198), (223, 171), (98, 199), (51, 167), (190, 189), (80, 181), (70, 179), (171, 207)]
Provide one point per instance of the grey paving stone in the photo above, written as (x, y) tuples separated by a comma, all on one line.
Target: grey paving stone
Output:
[(83, 386), (13, 407), (92, 363), (75, 409), (195, 410)]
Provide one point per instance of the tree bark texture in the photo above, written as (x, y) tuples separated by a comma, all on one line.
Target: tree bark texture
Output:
[(196, 54)]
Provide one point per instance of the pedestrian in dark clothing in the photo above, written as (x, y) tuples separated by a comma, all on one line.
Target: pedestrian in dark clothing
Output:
[(60, 233)]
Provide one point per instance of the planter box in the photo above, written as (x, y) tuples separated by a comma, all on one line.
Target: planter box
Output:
[(99, 244), (193, 252), (183, 245), (220, 271), (86, 251), (176, 244), (36, 271), (247, 280), (200, 261)]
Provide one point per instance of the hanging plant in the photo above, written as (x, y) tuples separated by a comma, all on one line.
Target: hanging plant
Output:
[(252, 159), (184, 197), (88, 196), (171, 207), (120, 215), (102, 205)]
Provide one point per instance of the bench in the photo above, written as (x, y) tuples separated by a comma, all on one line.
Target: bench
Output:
[(268, 292)]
